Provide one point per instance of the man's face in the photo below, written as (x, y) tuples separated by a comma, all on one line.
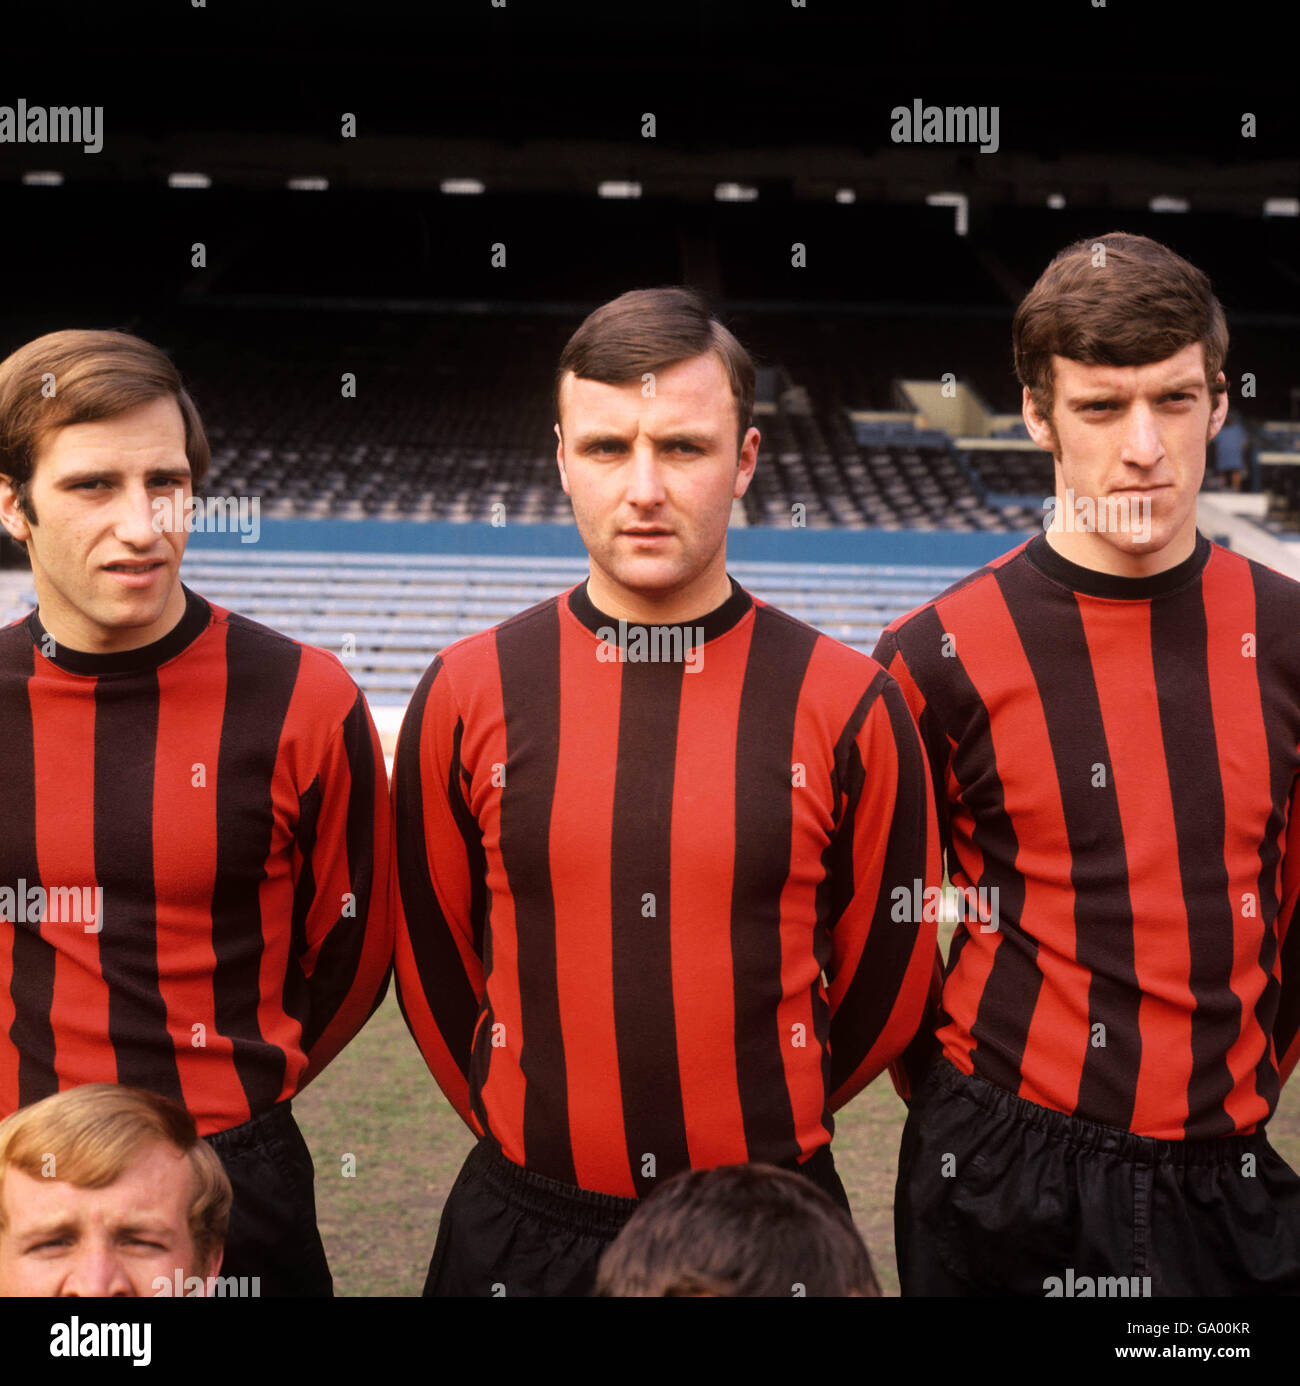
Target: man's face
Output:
[(1131, 439), (60, 1239), (106, 577), (652, 470)]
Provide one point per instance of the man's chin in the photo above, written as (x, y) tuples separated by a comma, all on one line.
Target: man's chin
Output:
[(1137, 545), (649, 575), (1149, 553), (126, 615), (125, 623)]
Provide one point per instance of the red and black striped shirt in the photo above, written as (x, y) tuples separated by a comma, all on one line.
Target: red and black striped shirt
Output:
[(1120, 759), (225, 790), (621, 881)]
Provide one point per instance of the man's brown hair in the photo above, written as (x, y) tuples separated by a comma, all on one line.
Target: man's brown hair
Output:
[(648, 330), (81, 376), (93, 1131), (1116, 300), (739, 1230)]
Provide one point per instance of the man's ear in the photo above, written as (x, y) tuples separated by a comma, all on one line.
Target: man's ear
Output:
[(213, 1267), (559, 459), (15, 522), (747, 461), (1220, 411), (1040, 429)]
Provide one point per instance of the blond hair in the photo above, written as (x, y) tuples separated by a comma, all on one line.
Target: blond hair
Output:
[(93, 1131)]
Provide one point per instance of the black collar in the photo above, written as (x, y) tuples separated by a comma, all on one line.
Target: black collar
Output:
[(1092, 583), (147, 657), (708, 627)]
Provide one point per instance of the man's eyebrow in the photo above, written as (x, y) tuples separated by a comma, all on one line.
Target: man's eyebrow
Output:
[(161, 1230), (64, 1227), (90, 474), (700, 437), (1086, 394), (604, 435), (1190, 382), (1090, 395), (115, 473)]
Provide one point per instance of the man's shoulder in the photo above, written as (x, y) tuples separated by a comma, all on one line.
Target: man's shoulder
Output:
[(16, 642), (973, 588), (785, 628), (267, 653), (467, 658), (471, 647), (834, 667), (1269, 584)]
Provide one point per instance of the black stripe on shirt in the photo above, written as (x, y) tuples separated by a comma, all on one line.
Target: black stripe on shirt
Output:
[(437, 961), (779, 652), (294, 992), (126, 735), (31, 986), (866, 1007), (1011, 991), (654, 1118), (528, 654), (258, 694), (1056, 648), (458, 781), (1275, 634), (339, 956), (1179, 654)]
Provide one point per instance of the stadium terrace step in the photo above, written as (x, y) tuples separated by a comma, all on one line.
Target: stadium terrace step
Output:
[(387, 615)]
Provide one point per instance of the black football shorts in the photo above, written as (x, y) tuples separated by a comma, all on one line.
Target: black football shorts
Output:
[(999, 1196)]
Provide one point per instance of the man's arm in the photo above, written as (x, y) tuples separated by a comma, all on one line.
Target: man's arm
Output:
[(934, 740), (342, 920), (911, 1068), (440, 889), (885, 858), (1286, 1028)]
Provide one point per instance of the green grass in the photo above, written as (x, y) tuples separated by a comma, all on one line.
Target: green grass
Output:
[(379, 1103)]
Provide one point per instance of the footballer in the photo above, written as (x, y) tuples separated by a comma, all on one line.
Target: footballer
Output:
[(646, 838), (216, 789), (1112, 717)]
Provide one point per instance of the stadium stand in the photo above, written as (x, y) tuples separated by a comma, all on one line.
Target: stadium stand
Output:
[(387, 615), (1276, 457), (360, 357)]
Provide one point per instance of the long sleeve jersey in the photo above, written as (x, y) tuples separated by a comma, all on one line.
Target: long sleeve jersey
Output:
[(1119, 759), (647, 919), (194, 865)]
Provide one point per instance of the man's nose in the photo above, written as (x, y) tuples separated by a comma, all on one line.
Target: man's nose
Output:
[(645, 487), (141, 517), (97, 1270), (1143, 443)]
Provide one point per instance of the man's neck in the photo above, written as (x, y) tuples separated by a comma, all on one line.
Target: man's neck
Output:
[(1089, 551), (657, 609), (72, 630)]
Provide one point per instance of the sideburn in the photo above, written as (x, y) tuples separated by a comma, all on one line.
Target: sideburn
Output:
[(25, 502)]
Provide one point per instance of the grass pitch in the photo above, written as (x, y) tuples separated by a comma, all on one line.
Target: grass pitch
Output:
[(378, 1210)]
